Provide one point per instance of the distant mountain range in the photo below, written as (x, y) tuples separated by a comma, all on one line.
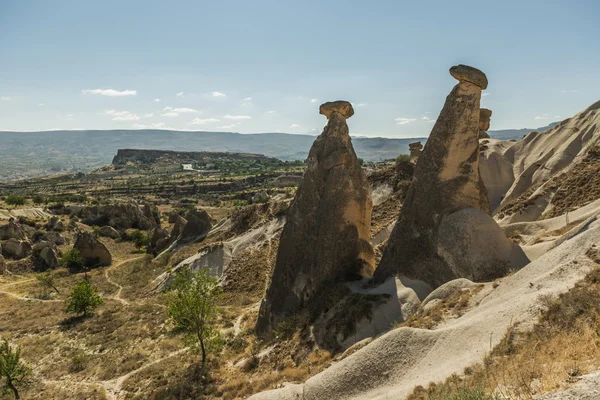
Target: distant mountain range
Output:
[(29, 154)]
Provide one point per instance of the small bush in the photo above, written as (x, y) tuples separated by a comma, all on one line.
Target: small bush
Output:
[(79, 362), (38, 200), (83, 298), (402, 158), (72, 259)]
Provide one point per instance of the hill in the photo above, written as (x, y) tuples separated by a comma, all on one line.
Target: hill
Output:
[(30, 154)]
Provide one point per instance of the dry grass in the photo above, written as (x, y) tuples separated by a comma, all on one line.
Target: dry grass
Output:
[(564, 344)]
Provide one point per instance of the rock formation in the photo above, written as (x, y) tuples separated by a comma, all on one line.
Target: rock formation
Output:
[(46, 254), (119, 216), (16, 248), (55, 224), (197, 227), (484, 123), (2, 263), (446, 181), (326, 235), (93, 251), (159, 239), (415, 149), (13, 230), (109, 231)]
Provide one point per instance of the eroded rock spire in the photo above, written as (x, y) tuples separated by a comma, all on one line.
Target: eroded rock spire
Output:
[(327, 232), (422, 244)]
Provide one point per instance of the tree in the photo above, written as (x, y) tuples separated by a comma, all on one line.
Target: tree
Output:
[(15, 200), (38, 199), (72, 259), (191, 304), (139, 238), (14, 372), (83, 298), (47, 280)]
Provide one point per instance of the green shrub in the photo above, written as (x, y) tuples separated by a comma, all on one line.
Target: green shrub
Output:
[(83, 298), (139, 238), (15, 200), (12, 371), (72, 259), (38, 200), (403, 158)]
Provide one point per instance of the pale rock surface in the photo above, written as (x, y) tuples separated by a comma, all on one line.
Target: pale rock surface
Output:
[(326, 236), (475, 247), (394, 363)]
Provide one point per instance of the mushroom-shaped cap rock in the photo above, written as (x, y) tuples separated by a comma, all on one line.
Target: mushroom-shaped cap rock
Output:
[(485, 113), (464, 73), (341, 107)]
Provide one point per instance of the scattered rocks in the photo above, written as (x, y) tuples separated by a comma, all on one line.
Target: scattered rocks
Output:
[(55, 224), (119, 216), (446, 180), (109, 231), (93, 251), (45, 253), (326, 235), (13, 230)]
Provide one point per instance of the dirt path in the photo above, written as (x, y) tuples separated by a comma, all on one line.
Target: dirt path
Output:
[(16, 296), (113, 386), (117, 296)]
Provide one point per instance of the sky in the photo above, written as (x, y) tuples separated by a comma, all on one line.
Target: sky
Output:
[(266, 66)]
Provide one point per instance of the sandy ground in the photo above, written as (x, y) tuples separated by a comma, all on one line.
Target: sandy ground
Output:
[(24, 212)]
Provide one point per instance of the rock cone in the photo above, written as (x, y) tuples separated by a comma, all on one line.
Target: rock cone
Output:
[(326, 235), (93, 251), (446, 180)]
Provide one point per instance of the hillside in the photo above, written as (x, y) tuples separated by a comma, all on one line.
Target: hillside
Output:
[(29, 154)]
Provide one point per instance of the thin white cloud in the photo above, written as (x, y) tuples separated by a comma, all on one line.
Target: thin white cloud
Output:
[(122, 115), (41, 105), (557, 116), (543, 116), (404, 121), (294, 126), (170, 114), (573, 91), (182, 110), (427, 112), (271, 112), (227, 126), (157, 100), (359, 104), (179, 94), (426, 118), (157, 125), (198, 121), (5, 98), (148, 115), (110, 92), (313, 100), (237, 117), (218, 94), (485, 94), (167, 108), (248, 99)]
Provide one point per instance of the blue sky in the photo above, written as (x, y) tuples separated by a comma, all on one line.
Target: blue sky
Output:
[(265, 66)]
